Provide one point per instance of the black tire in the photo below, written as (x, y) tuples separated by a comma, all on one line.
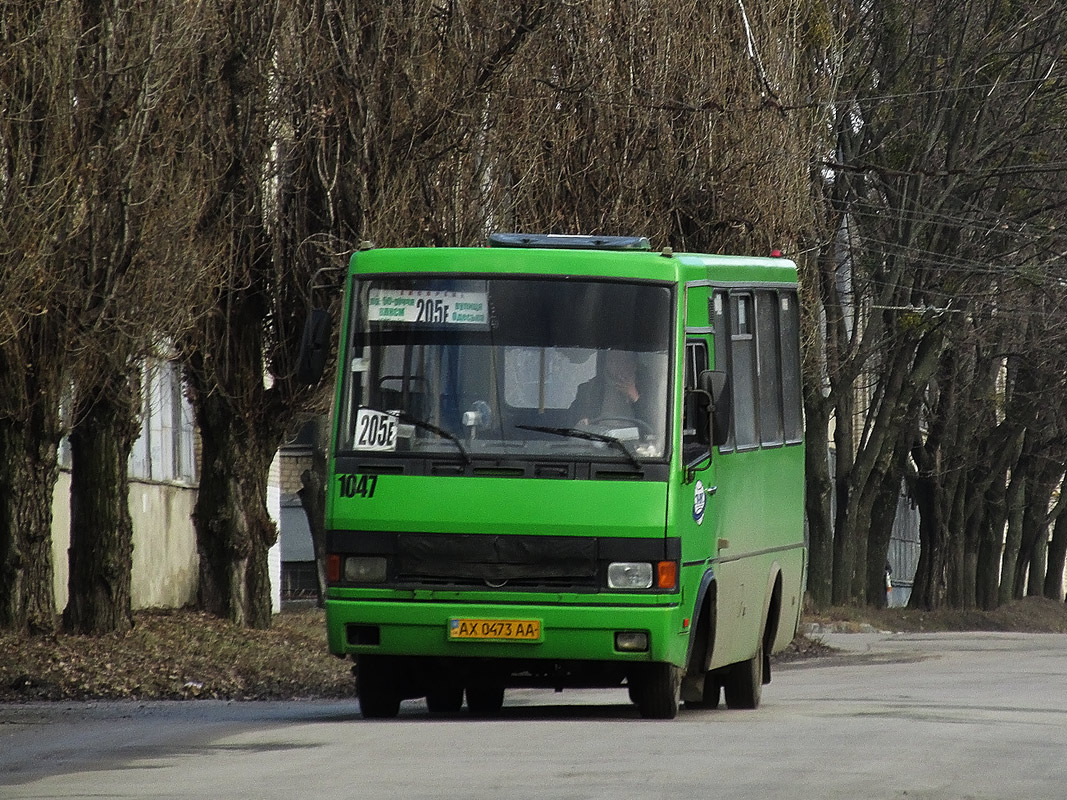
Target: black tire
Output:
[(379, 697), (445, 698), (485, 699), (712, 693), (743, 684), (658, 691)]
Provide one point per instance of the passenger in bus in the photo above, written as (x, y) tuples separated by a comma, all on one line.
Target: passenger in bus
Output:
[(613, 393)]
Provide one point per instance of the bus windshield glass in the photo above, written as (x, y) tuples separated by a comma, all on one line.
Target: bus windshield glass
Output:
[(515, 367)]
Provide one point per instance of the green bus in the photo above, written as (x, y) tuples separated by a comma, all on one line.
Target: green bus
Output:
[(565, 461)]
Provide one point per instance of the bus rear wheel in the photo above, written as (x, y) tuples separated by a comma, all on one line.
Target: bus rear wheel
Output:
[(657, 691), (379, 696), (485, 699), (712, 693), (743, 684)]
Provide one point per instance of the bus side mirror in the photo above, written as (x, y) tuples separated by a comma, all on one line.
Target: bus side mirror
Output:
[(717, 385), (314, 347)]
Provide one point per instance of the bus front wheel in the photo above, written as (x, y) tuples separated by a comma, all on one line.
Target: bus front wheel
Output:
[(485, 699), (445, 697), (657, 689), (379, 696)]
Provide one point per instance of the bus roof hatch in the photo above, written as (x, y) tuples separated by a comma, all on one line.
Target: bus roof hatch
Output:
[(555, 241)]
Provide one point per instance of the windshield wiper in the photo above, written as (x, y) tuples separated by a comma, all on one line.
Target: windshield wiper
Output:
[(578, 433), (404, 416)]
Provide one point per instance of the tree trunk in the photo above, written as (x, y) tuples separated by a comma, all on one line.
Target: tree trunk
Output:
[(1015, 501), (101, 529), (883, 515), (1057, 556), (817, 504), (954, 497), (28, 473), (1035, 577), (988, 569), (30, 431), (1001, 459), (974, 519), (843, 550), (234, 532), (928, 591)]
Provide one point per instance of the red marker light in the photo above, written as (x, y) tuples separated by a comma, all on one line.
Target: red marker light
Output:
[(776, 253)]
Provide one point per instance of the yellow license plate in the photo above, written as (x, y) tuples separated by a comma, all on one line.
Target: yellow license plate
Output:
[(512, 630)]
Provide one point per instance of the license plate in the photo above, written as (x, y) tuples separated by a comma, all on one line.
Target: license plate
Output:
[(512, 630)]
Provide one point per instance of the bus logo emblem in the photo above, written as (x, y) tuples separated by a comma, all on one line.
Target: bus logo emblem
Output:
[(700, 500)]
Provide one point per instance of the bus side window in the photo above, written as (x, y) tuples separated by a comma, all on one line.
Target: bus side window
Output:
[(743, 370), (789, 327), (719, 314), (695, 444), (768, 368)]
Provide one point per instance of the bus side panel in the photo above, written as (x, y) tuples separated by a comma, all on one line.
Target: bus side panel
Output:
[(758, 514)]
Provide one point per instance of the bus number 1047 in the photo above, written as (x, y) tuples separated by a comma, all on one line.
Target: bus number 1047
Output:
[(358, 485)]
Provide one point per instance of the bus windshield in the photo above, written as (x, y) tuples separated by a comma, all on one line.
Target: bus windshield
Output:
[(516, 367)]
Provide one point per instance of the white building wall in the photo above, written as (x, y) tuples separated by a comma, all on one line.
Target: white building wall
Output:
[(165, 560), (165, 571), (274, 557)]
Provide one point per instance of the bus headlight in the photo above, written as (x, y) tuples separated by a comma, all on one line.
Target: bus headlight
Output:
[(365, 569), (629, 575)]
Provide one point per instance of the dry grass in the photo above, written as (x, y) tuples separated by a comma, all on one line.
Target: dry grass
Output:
[(1029, 615), (178, 654)]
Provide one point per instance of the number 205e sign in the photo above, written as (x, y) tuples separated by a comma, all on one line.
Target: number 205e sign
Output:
[(428, 307)]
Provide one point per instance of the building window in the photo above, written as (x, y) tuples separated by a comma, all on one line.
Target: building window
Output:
[(165, 450)]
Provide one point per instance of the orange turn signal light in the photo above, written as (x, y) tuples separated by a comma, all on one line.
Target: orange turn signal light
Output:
[(666, 574), (333, 568)]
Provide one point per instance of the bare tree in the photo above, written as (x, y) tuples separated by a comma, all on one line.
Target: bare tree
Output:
[(356, 134), (228, 355), (36, 209), (941, 115), (696, 135), (133, 278)]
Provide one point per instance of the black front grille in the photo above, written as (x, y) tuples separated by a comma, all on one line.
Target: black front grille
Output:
[(514, 584), (496, 561)]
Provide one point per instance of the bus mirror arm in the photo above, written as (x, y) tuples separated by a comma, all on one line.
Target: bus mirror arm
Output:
[(314, 347), (706, 404), (315, 340), (716, 384)]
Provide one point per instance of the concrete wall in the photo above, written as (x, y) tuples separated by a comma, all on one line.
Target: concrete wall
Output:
[(274, 557), (165, 560)]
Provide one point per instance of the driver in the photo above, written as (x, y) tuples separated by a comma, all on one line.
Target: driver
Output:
[(613, 393)]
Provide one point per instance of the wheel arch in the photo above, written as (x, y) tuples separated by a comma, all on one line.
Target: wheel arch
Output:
[(772, 618), (702, 639)]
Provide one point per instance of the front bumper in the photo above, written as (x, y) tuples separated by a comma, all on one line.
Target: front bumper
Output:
[(568, 632)]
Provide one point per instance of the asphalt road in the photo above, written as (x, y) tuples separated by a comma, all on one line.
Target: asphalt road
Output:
[(952, 716)]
